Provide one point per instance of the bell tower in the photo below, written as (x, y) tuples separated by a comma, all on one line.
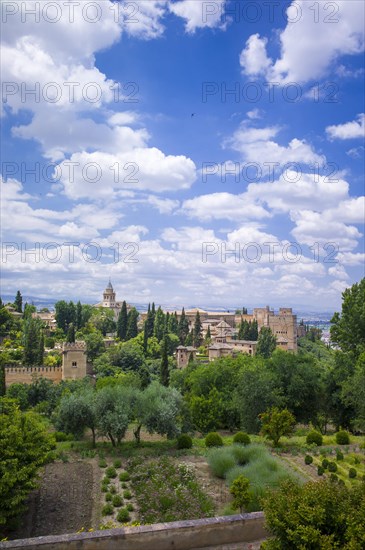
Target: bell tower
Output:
[(109, 296)]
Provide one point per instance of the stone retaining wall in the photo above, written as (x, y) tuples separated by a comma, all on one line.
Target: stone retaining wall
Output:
[(179, 535)]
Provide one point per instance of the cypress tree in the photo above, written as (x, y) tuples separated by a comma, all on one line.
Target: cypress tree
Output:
[(2, 377), (71, 334), (183, 328), (41, 349), (164, 369), (132, 324), (122, 322), (18, 302), (174, 324), (197, 331), (159, 325), (78, 315), (31, 337)]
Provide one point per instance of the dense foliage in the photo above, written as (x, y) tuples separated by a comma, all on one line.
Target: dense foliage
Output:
[(24, 447), (323, 515)]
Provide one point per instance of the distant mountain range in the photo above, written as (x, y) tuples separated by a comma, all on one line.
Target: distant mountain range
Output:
[(315, 318)]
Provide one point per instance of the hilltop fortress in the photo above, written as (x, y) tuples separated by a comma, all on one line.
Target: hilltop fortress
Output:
[(223, 327)]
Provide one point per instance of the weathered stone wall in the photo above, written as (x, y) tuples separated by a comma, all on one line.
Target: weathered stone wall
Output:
[(179, 535), (26, 375)]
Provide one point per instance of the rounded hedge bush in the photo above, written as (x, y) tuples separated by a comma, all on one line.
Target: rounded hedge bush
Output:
[(123, 515), (308, 459), (112, 489), (333, 477), (339, 455), (325, 463), (124, 476), (130, 507), (184, 441), (102, 463), (213, 439), (111, 472), (107, 510), (108, 497), (127, 495), (117, 501), (320, 470), (104, 488), (117, 463), (314, 437), (342, 438), (332, 467), (242, 437), (352, 473)]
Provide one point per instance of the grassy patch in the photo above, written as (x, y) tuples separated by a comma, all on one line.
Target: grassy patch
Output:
[(254, 462)]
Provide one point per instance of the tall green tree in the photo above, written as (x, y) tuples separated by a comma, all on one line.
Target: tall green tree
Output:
[(197, 331), (40, 348), (174, 324), (266, 343), (276, 423), (79, 323), (18, 302), (183, 327), (31, 339), (77, 411), (2, 375), (132, 324), (159, 326), (65, 314), (71, 334), (164, 369), (348, 328), (122, 322)]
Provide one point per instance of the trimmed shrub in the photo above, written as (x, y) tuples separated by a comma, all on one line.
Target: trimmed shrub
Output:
[(117, 501), (61, 436), (308, 459), (111, 472), (332, 467), (339, 455), (325, 463), (242, 438), (220, 461), (107, 510), (102, 463), (104, 488), (184, 441), (108, 497), (320, 470), (342, 438), (213, 439), (130, 507), (105, 480), (352, 473), (112, 489), (314, 437), (123, 515), (127, 495), (333, 477), (124, 476), (124, 485), (117, 463)]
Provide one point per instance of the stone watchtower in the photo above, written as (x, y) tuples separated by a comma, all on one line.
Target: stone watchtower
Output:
[(109, 296), (73, 360), (184, 355)]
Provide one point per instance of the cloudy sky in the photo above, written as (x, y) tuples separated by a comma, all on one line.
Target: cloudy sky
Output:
[(196, 152)]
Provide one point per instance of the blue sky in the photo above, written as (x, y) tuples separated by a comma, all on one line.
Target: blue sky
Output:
[(197, 152)]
